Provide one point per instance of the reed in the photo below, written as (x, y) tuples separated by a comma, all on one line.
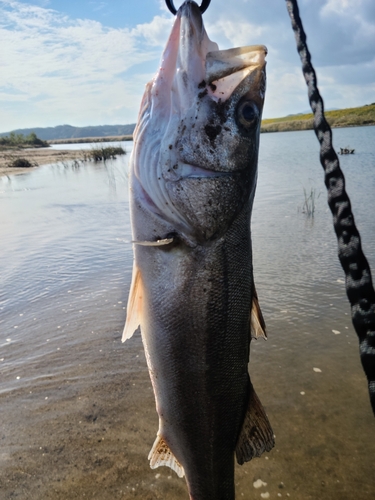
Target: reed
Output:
[(103, 154), (308, 207)]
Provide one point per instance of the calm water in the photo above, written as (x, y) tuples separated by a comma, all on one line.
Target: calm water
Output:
[(63, 233), (65, 272)]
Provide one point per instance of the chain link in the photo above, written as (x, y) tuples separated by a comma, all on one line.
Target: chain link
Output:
[(359, 287)]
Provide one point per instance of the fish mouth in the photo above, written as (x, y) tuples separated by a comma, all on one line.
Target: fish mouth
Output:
[(188, 171)]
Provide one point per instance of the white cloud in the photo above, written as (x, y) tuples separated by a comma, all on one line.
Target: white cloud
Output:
[(155, 32), (73, 67), (340, 7), (55, 69), (236, 32)]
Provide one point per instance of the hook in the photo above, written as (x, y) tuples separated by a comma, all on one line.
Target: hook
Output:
[(172, 8)]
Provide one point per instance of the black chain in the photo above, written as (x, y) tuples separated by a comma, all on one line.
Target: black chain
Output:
[(359, 286), (172, 8)]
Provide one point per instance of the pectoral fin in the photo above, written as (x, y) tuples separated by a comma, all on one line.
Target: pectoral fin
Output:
[(257, 323), (160, 454), (256, 435), (135, 302)]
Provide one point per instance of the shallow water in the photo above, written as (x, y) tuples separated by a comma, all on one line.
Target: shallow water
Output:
[(77, 411)]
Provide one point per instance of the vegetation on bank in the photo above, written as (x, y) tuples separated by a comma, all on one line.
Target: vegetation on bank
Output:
[(102, 154), (13, 162), (19, 158), (14, 140), (82, 140), (349, 117)]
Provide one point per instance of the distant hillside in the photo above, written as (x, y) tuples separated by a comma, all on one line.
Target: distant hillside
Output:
[(349, 117), (69, 132)]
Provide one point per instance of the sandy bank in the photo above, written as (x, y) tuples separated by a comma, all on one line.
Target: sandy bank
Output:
[(36, 157)]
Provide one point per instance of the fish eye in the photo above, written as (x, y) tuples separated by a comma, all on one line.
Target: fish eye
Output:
[(248, 114)]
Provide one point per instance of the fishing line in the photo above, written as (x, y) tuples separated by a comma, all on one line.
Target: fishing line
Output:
[(358, 282)]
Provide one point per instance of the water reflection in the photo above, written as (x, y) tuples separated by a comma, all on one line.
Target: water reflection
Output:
[(65, 273)]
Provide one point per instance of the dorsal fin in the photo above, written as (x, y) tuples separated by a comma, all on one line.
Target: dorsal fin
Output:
[(161, 454), (256, 435), (257, 323), (134, 308)]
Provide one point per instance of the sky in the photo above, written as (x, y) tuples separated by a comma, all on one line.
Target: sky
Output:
[(86, 62)]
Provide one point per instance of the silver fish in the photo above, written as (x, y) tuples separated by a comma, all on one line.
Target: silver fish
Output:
[(192, 182)]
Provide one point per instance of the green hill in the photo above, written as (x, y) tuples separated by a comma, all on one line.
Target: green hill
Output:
[(349, 117)]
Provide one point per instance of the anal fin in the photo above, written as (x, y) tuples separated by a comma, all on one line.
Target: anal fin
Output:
[(257, 323), (135, 302), (256, 435), (161, 454)]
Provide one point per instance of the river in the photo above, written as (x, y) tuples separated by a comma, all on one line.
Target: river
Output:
[(77, 412)]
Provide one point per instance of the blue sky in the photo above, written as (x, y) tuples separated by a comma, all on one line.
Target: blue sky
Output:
[(86, 62)]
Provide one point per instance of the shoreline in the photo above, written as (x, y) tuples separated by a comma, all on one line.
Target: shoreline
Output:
[(84, 140), (37, 157), (45, 156), (302, 126)]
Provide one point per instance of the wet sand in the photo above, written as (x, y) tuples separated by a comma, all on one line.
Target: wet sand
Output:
[(86, 432), (36, 156)]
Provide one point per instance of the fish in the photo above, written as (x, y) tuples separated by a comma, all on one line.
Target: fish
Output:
[(192, 181)]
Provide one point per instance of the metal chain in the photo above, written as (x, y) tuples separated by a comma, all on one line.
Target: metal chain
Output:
[(172, 8), (358, 281)]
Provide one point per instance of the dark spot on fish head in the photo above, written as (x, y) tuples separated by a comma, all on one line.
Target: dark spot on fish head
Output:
[(212, 131), (202, 85), (213, 87)]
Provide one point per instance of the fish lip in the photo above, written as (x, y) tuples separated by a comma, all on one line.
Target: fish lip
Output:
[(191, 171)]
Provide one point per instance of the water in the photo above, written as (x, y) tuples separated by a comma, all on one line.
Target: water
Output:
[(77, 411)]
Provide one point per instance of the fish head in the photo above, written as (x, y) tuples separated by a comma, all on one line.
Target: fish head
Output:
[(194, 162)]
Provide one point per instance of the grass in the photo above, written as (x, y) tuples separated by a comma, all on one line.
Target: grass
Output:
[(102, 154), (95, 154), (18, 162), (349, 117), (81, 140), (308, 207)]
